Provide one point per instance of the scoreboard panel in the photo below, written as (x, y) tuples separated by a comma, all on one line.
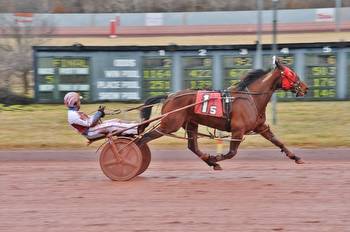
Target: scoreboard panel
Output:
[(118, 77), (235, 68), (288, 60), (46, 81), (134, 73), (348, 74), (157, 74), (59, 75), (321, 71), (197, 72)]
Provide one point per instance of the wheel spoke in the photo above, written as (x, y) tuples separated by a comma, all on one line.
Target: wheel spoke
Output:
[(125, 152), (129, 163), (110, 163)]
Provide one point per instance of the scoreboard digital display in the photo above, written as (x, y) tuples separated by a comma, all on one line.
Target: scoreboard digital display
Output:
[(321, 72), (197, 72), (47, 83), (287, 59), (235, 68), (118, 77), (157, 73), (59, 75), (135, 73), (348, 72)]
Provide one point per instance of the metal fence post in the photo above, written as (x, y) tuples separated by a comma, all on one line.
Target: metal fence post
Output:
[(274, 51), (341, 74), (177, 75)]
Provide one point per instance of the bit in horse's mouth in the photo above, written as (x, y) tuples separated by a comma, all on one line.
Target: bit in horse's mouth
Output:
[(300, 94)]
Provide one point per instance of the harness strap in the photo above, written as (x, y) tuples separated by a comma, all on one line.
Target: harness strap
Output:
[(264, 130), (253, 102), (227, 103), (200, 135)]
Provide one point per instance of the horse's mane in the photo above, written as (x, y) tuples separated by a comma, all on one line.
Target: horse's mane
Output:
[(250, 78)]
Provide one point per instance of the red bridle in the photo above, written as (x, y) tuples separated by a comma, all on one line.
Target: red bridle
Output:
[(290, 80)]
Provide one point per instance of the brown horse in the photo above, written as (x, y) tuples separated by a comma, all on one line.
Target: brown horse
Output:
[(248, 101)]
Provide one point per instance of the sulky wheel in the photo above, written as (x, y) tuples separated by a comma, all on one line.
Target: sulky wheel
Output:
[(122, 160), (146, 154)]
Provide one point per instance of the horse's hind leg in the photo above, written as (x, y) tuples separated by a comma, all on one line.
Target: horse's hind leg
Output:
[(234, 144), (192, 130), (168, 125), (149, 136)]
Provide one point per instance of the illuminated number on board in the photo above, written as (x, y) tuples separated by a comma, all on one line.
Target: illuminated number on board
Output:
[(167, 62), (233, 82), (288, 60), (207, 62), (241, 61), (49, 79), (324, 93), (161, 52), (331, 60), (332, 71)]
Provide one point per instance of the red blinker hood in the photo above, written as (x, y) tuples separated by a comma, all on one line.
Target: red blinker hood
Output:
[(289, 78)]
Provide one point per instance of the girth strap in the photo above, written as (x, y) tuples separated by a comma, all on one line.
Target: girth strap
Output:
[(227, 105)]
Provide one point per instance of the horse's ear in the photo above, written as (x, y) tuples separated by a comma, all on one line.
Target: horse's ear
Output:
[(278, 63)]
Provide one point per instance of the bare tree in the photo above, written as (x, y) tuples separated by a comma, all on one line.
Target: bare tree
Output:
[(16, 49)]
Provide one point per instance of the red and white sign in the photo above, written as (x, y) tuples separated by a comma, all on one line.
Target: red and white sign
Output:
[(325, 15), (23, 18), (209, 103), (154, 19)]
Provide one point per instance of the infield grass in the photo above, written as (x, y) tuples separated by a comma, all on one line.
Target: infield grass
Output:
[(300, 124)]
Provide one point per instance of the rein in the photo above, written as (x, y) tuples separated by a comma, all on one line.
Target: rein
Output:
[(140, 107), (232, 91), (251, 93), (159, 117)]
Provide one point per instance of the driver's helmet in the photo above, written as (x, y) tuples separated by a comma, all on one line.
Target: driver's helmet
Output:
[(71, 99)]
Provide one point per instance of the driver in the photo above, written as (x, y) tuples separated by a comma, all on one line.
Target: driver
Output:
[(90, 125)]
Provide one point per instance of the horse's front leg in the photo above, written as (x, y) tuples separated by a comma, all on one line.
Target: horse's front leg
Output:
[(266, 132), (192, 130)]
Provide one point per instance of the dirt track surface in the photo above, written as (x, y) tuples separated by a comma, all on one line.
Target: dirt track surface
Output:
[(256, 191)]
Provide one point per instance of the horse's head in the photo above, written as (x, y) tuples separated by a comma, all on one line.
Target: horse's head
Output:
[(290, 80)]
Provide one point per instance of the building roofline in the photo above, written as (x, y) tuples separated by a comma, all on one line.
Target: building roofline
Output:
[(174, 47)]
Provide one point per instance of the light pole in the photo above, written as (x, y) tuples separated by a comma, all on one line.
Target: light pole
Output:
[(258, 53), (338, 5), (274, 51)]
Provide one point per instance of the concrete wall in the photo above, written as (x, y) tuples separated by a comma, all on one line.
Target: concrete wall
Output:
[(186, 18)]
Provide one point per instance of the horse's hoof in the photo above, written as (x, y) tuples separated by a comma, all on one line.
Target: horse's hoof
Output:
[(217, 167), (299, 161)]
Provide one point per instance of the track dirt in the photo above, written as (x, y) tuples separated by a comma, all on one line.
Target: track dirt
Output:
[(257, 191)]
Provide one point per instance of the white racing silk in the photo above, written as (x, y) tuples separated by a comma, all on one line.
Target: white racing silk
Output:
[(91, 128)]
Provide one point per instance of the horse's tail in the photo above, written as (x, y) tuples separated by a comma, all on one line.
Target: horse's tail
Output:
[(146, 111)]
